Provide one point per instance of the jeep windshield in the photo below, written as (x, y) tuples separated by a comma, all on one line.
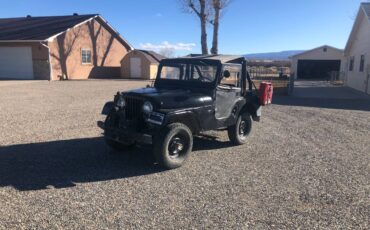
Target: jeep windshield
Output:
[(193, 73)]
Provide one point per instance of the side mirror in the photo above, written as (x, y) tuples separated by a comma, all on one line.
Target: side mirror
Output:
[(227, 74)]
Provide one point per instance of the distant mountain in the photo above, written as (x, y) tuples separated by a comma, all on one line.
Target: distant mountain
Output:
[(282, 56)]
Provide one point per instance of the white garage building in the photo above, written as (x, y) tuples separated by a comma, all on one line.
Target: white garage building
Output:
[(317, 64), (357, 52)]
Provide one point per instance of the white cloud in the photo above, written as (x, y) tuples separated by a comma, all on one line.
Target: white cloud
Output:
[(158, 15), (168, 46)]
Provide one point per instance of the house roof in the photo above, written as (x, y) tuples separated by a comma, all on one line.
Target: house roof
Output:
[(43, 28), (366, 7), (38, 28), (321, 47), (152, 56), (364, 11)]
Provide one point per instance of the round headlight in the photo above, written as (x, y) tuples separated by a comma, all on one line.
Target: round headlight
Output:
[(121, 102), (147, 107)]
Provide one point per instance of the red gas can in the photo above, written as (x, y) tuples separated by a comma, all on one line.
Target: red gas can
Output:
[(265, 93)]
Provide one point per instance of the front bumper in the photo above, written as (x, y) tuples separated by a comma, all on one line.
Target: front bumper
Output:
[(125, 135)]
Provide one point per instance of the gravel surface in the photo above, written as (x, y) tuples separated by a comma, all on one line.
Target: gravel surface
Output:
[(307, 165)]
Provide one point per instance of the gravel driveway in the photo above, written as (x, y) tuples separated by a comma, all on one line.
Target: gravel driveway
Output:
[(307, 165)]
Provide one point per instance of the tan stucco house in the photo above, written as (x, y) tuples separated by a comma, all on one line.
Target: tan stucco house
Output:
[(140, 64), (318, 63), (357, 52), (51, 48)]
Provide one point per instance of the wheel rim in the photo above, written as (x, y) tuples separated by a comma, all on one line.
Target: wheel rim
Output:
[(176, 146), (243, 128)]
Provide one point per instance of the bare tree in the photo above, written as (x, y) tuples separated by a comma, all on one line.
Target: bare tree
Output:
[(205, 10), (201, 9), (108, 46), (218, 6), (95, 35), (65, 46), (94, 38), (167, 52)]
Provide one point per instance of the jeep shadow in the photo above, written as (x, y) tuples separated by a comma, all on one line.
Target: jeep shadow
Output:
[(63, 164)]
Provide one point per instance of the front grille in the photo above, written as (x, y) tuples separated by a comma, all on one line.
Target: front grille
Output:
[(133, 109)]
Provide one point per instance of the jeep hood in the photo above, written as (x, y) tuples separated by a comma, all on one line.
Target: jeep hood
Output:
[(171, 98)]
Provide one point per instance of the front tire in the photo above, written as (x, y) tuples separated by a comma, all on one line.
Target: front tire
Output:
[(239, 132), (173, 145)]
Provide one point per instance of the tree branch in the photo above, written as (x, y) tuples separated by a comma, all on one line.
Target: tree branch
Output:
[(55, 56), (191, 5)]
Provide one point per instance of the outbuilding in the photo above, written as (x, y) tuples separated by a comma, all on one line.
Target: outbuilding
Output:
[(140, 64), (317, 64), (357, 52), (60, 47)]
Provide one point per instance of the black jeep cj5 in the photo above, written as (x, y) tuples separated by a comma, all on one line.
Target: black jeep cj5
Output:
[(190, 95)]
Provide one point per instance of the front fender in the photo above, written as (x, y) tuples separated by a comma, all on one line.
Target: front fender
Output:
[(107, 108), (188, 118), (254, 110)]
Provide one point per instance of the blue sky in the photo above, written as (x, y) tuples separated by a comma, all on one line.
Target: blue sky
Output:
[(248, 26)]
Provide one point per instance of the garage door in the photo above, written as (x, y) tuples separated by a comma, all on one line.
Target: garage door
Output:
[(317, 69), (16, 63)]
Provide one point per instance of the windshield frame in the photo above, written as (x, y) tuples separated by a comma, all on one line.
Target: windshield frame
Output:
[(160, 82)]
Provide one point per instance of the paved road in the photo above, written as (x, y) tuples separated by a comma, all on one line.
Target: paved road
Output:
[(305, 166)]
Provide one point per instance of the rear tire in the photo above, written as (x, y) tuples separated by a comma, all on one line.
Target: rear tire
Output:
[(239, 132), (173, 145)]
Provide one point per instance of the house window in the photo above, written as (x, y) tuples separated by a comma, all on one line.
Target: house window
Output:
[(351, 63), (325, 49), (86, 56), (362, 63)]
